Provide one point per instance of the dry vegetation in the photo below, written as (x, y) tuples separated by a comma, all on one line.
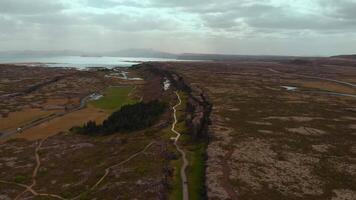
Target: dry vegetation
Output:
[(266, 142), (63, 124), (32, 94), (271, 143), (72, 164), (53, 163)]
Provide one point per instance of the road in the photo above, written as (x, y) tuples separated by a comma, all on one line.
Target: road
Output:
[(184, 157), (315, 77), (323, 79), (83, 102)]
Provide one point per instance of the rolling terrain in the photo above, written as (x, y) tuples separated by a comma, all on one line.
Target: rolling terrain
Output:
[(244, 129), (43, 158), (279, 130)]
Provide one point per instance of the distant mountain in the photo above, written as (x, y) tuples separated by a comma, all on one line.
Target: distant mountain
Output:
[(352, 56), (41, 53), (230, 57), (151, 53), (145, 53)]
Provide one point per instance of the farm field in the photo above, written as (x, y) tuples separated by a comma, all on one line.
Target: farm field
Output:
[(18, 118), (63, 124)]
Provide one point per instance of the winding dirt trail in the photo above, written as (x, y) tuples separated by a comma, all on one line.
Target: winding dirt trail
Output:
[(107, 170), (29, 188), (34, 173), (184, 157)]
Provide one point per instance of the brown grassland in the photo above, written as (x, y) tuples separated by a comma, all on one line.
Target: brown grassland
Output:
[(265, 142), (63, 124), (57, 164)]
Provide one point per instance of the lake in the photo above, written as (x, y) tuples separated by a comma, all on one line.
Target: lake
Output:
[(79, 62)]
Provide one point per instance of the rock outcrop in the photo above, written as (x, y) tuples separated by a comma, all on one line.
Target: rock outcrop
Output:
[(198, 104)]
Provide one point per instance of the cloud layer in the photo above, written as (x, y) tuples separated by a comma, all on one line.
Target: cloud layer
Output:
[(288, 27)]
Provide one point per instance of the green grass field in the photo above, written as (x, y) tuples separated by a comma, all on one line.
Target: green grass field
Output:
[(114, 98), (176, 184), (196, 171)]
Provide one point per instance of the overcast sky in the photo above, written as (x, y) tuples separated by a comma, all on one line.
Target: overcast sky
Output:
[(283, 27)]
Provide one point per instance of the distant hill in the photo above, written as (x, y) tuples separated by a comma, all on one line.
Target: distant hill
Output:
[(151, 53), (41, 53), (230, 57), (352, 56), (145, 53)]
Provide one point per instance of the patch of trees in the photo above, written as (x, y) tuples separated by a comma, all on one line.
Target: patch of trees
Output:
[(128, 118)]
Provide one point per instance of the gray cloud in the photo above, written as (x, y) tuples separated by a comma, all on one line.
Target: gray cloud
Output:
[(344, 9), (181, 25), (340, 17), (127, 22), (101, 4), (234, 15), (30, 7), (55, 19), (182, 3)]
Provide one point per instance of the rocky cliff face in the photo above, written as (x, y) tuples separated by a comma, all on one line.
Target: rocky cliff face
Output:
[(198, 104), (198, 107)]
